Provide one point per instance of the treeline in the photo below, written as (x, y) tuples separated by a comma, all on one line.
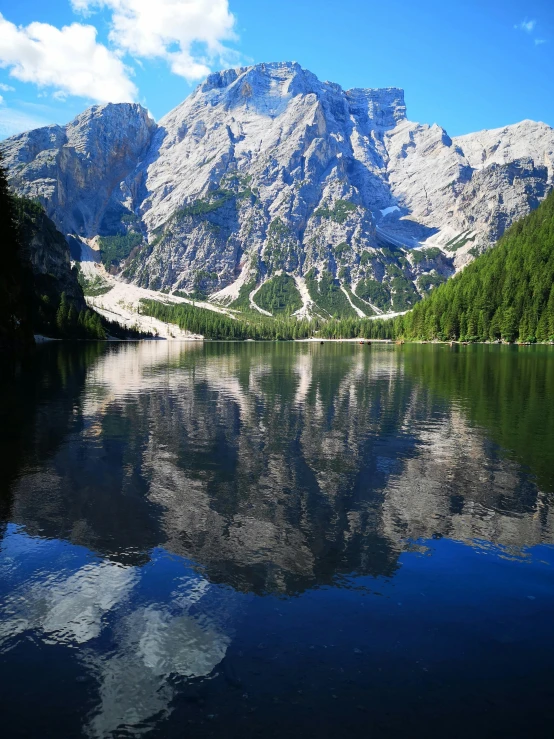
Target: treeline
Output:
[(70, 323), (214, 325), (507, 293), (66, 322), (354, 328)]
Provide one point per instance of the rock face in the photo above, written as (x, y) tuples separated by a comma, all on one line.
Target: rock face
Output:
[(78, 171), (265, 171), (47, 252)]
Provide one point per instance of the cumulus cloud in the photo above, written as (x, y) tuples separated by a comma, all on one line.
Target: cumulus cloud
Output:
[(188, 35), (6, 88), (70, 60), (526, 26)]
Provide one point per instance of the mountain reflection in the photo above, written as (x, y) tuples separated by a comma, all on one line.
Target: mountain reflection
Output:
[(273, 468), (152, 492)]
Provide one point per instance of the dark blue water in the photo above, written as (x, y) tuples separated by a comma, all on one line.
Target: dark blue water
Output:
[(277, 540)]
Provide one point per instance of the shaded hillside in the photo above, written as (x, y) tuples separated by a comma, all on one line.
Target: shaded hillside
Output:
[(55, 300), (15, 279), (507, 293)]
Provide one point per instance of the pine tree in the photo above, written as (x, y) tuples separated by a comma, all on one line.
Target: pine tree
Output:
[(62, 316), (507, 292)]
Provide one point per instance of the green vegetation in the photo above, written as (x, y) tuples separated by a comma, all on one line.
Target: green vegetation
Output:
[(213, 325), (116, 249), (364, 307), (214, 200), (376, 293), (217, 198), (404, 294), (339, 213), (92, 286), (129, 218), (279, 296), (506, 293), (430, 280), (341, 249), (353, 328), (500, 392), (280, 252), (55, 301), (243, 300), (366, 257), (458, 241), (86, 324), (328, 296), (73, 324), (422, 255)]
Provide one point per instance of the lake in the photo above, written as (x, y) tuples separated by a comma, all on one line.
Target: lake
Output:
[(277, 540)]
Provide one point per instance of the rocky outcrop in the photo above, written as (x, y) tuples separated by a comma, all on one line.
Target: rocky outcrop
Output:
[(16, 333), (78, 171), (267, 169), (47, 251)]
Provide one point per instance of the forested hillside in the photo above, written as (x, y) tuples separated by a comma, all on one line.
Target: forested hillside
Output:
[(15, 322), (213, 325), (39, 291), (55, 299), (507, 293)]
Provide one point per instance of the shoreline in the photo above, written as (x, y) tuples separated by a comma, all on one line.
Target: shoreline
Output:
[(41, 339)]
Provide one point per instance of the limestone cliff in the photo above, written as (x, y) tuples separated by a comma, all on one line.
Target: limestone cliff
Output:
[(266, 171)]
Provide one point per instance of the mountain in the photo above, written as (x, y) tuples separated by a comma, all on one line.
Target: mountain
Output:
[(15, 278), (55, 296), (507, 293), (270, 190), (39, 289)]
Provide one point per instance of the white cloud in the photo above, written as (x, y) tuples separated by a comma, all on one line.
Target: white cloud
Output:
[(188, 34), (6, 88), (526, 25), (539, 41), (69, 60)]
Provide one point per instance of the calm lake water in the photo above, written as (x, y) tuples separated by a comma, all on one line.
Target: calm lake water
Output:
[(277, 540)]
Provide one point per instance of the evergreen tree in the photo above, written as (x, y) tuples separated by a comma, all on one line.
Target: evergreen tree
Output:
[(507, 293), (62, 316)]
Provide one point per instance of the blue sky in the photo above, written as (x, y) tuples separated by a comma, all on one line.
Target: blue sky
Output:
[(467, 66)]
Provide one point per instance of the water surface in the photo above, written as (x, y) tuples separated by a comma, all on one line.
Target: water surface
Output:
[(278, 540)]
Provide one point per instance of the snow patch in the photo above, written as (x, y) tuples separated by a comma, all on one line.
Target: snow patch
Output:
[(391, 209)]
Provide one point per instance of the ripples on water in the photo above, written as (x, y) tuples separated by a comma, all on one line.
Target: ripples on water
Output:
[(277, 540)]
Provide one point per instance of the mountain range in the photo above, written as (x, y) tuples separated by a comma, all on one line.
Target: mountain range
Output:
[(269, 190)]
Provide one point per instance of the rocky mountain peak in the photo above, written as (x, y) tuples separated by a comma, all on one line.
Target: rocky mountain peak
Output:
[(384, 108), (268, 86), (266, 174)]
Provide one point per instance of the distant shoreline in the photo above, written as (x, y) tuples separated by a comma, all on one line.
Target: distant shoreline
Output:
[(40, 339)]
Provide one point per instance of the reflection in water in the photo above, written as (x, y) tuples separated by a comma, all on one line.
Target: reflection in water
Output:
[(153, 492)]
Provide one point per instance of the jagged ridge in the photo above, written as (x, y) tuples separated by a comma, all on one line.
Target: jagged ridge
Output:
[(266, 170)]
